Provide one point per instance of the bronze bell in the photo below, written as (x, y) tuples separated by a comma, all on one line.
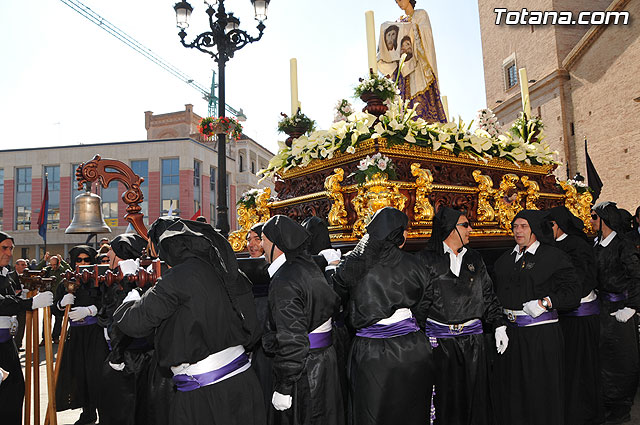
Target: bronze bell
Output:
[(87, 215)]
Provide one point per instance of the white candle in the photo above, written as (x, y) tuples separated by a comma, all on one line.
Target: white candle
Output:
[(293, 65), (371, 41), (445, 105), (524, 92)]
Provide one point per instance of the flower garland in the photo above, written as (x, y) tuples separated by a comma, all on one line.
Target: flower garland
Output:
[(399, 125), (230, 126), (581, 187)]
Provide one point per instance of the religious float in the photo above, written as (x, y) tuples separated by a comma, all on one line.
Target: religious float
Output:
[(402, 151)]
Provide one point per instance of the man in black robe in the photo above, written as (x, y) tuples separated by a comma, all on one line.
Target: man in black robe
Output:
[(254, 241), (78, 384), (204, 319), (19, 268), (533, 281), (298, 330), (581, 326), (134, 390), (463, 304), (12, 385), (618, 275), (387, 294)]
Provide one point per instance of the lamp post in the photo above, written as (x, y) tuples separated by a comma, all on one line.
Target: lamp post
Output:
[(227, 38)]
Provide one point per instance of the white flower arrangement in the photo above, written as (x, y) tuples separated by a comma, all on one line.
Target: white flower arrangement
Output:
[(343, 109), (248, 198), (488, 122), (371, 165), (399, 125)]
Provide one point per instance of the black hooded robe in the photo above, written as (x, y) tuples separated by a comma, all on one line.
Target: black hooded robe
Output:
[(78, 384), (583, 386), (390, 379), (11, 389), (528, 379), (199, 307)]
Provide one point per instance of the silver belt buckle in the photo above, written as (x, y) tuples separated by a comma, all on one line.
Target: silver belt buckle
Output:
[(456, 329), (511, 316)]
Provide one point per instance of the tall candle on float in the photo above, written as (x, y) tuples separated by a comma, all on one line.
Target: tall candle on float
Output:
[(445, 106), (524, 92), (293, 67), (371, 41)]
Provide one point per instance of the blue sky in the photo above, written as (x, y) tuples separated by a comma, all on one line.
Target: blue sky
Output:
[(66, 81)]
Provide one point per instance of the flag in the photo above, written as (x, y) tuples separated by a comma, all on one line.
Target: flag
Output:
[(44, 212), (197, 214), (170, 212), (593, 179)]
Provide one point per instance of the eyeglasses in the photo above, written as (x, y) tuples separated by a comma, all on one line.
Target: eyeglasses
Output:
[(83, 260), (104, 261), (465, 224), (594, 216)]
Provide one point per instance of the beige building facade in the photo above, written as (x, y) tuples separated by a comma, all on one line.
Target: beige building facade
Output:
[(583, 84)]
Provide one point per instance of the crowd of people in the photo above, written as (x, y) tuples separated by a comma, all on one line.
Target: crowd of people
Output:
[(303, 334)]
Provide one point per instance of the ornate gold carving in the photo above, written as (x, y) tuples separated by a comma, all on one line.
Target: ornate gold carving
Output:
[(533, 192), (423, 210), (247, 217), (578, 203), (485, 192), (377, 193), (338, 213), (507, 200)]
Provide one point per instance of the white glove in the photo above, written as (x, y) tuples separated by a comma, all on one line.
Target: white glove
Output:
[(79, 313), (3, 375), (331, 255), (68, 299), (281, 401), (502, 340), (624, 314), (128, 267), (533, 308), (117, 366), (42, 299), (133, 295)]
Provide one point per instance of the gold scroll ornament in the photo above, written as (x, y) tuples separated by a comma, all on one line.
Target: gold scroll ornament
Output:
[(578, 203), (423, 210), (338, 213), (378, 192), (247, 217)]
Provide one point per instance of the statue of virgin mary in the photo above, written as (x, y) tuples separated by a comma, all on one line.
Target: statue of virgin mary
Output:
[(418, 80)]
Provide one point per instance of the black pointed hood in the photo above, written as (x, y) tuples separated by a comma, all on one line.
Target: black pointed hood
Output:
[(608, 212), (539, 224), (4, 236), (567, 222), (388, 224), (128, 246), (257, 228), (444, 222), (319, 231), (288, 235)]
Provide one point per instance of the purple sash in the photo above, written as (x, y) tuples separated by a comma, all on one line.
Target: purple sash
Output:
[(186, 382), (613, 297), (436, 330), (5, 335), (402, 327), (591, 308), (89, 320), (526, 320), (320, 340)]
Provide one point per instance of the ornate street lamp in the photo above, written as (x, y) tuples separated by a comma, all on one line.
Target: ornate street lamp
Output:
[(227, 38)]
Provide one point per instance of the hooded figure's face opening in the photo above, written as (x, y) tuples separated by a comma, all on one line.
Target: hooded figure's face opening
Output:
[(596, 222), (522, 233)]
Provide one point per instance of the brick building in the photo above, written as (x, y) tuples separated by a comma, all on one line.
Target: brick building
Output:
[(583, 83), (177, 163)]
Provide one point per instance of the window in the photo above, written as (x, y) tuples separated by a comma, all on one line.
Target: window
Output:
[(241, 163), (197, 187), (110, 204), (141, 168), (23, 198), (212, 195), (511, 75), (74, 188), (170, 189), (253, 167), (1, 195), (52, 174)]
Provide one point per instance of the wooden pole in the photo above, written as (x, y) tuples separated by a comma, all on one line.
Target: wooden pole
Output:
[(27, 366), (48, 347), (56, 373), (36, 369)]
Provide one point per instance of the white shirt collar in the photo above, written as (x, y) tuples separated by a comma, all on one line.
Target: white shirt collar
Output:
[(606, 241), (455, 258), (531, 250), (277, 263), (561, 238)]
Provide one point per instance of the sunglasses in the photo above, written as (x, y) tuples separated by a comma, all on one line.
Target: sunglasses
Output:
[(594, 216), (465, 224), (83, 260)]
